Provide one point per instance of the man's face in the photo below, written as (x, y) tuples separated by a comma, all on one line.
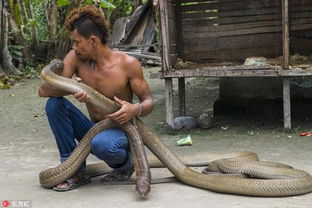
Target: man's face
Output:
[(81, 45)]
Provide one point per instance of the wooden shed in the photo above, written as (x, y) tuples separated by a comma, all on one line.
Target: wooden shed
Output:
[(206, 34)]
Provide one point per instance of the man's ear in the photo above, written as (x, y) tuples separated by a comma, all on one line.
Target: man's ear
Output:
[(94, 40)]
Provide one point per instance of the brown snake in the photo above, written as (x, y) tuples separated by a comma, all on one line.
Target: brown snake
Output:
[(285, 182)]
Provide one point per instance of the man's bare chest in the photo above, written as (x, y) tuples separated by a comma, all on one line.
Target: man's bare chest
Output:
[(111, 83)]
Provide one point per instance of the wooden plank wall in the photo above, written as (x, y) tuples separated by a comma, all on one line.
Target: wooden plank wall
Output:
[(300, 27), (232, 30), (172, 30)]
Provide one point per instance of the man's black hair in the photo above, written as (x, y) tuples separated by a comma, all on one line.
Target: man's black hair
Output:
[(86, 27)]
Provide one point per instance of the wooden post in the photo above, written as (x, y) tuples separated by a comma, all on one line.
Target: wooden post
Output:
[(287, 104), (286, 86), (165, 40), (166, 61), (181, 92), (285, 22), (169, 103), (178, 24)]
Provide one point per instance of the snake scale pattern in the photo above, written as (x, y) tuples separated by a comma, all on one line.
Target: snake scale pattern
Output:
[(270, 181)]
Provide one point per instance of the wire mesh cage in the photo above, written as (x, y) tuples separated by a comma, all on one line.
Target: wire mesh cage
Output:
[(219, 31)]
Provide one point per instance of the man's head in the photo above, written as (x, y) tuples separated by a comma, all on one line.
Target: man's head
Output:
[(88, 28)]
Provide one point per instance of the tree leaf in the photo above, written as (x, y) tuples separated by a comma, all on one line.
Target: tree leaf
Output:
[(107, 5), (61, 3), (17, 54)]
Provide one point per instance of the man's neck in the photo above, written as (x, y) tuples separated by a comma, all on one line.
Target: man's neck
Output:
[(102, 56)]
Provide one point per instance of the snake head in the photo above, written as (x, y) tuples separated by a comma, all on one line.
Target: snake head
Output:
[(143, 187), (56, 65)]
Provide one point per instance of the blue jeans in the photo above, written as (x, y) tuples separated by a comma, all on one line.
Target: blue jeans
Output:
[(68, 124)]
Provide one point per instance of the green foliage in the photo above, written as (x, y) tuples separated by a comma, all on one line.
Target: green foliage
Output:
[(107, 5), (61, 3), (103, 3), (6, 81), (31, 69), (39, 20), (16, 52)]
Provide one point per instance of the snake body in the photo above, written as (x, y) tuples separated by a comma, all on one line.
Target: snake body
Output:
[(286, 181)]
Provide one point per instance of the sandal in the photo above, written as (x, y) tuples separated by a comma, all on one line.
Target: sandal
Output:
[(118, 175), (73, 183)]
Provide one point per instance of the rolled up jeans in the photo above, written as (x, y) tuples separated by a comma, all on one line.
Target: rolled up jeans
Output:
[(69, 125)]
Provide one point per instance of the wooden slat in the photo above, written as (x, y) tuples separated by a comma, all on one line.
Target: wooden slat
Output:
[(172, 21), (232, 20), (285, 26), (236, 71), (222, 1), (181, 92), (169, 101), (166, 62), (286, 104), (217, 28), (297, 45), (228, 43), (249, 31), (240, 13), (172, 30), (230, 6), (222, 72), (179, 35), (201, 14), (258, 3), (296, 73), (232, 55)]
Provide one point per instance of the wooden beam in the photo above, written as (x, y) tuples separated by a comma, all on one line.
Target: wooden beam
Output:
[(179, 35), (181, 92), (163, 6), (229, 71), (169, 101), (285, 23), (286, 104)]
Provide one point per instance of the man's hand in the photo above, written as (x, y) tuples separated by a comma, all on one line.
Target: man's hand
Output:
[(127, 111), (81, 96)]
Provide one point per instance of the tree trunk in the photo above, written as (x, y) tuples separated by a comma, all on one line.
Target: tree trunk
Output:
[(1, 20), (6, 59), (33, 30), (53, 20), (137, 3), (19, 38), (24, 16), (15, 9)]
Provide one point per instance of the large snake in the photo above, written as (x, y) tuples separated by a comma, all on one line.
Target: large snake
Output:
[(273, 181)]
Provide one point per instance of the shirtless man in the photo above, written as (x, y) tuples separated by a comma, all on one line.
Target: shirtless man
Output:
[(115, 75)]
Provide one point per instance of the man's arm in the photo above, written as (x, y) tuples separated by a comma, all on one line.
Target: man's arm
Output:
[(47, 90), (140, 88)]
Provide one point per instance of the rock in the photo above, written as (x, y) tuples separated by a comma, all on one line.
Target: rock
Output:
[(205, 121), (184, 122), (256, 61)]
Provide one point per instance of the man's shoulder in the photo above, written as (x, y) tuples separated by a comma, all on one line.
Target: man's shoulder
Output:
[(72, 61), (129, 62), (126, 59), (71, 57)]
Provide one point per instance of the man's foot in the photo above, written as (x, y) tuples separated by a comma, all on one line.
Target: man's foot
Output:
[(118, 175), (72, 183)]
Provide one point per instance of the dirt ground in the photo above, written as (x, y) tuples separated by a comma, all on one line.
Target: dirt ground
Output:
[(27, 147)]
